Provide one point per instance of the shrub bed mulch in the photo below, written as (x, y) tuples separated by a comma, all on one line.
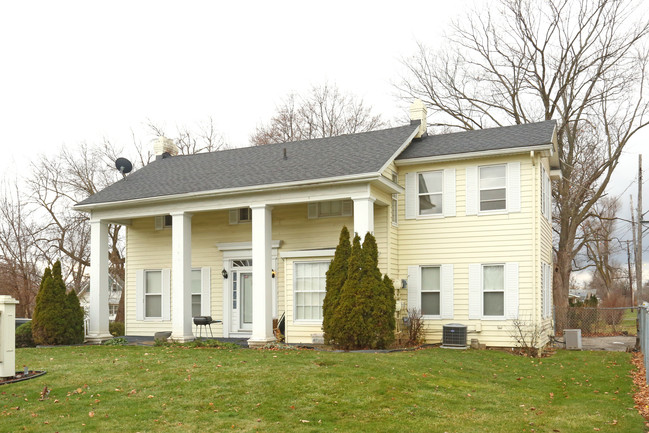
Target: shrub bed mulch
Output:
[(641, 395), (20, 376)]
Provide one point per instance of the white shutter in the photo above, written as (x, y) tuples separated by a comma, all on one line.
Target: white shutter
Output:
[(414, 289), (166, 294), (313, 210), (347, 207), (548, 192), (543, 300), (139, 294), (475, 291), (511, 290), (411, 196), (446, 297), (206, 293), (449, 192), (472, 190), (543, 192), (159, 222), (234, 216), (514, 187)]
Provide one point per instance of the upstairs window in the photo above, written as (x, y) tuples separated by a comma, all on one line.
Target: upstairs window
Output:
[(241, 215), (328, 209), (493, 187), (431, 187)]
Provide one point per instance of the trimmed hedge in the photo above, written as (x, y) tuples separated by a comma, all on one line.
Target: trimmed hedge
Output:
[(24, 335)]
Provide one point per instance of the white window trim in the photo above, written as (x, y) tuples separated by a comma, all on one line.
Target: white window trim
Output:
[(421, 291), (313, 209), (304, 321), (394, 211), (482, 291), (507, 204), (152, 318), (432, 216)]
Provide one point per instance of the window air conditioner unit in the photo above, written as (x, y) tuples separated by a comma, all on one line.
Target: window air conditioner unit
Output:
[(454, 335)]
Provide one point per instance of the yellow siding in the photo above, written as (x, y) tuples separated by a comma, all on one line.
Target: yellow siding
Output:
[(151, 249), (524, 237), (462, 240)]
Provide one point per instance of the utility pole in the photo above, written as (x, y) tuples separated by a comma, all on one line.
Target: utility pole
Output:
[(628, 258), (638, 257), (635, 249)]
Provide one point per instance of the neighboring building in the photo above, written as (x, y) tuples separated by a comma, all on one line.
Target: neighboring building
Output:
[(115, 288), (462, 223)]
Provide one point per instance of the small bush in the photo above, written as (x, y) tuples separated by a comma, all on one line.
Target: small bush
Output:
[(116, 329), (24, 335), (120, 341)]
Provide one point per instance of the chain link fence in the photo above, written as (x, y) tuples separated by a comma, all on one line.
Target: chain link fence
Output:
[(643, 336), (596, 321)]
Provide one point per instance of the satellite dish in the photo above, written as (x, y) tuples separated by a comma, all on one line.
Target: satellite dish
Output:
[(123, 165)]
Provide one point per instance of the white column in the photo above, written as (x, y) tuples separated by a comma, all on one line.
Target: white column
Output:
[(181, 268), (7, 336), (363, 216), (98, 311), (262, 319)]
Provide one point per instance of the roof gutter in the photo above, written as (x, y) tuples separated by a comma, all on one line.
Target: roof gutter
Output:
[(363, 177), (471, 155)]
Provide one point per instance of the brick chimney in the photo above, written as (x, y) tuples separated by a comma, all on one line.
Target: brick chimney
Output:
[(164, 147), (418, 113)]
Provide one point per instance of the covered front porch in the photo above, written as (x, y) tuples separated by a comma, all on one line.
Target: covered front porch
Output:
[(253, 255)]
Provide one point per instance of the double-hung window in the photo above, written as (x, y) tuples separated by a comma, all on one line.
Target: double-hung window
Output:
[(430, 290), (493, 290), (431, 187), (493, 187), (310, 289), (196, 292), (153, 294)]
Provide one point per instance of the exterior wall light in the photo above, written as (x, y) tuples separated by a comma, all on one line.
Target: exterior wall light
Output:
[(224, 273), (272, 273)]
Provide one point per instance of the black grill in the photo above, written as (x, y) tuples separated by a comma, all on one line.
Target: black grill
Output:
[(201, 321)]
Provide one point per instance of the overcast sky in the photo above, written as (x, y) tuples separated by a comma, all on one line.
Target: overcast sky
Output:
[(75, 71)]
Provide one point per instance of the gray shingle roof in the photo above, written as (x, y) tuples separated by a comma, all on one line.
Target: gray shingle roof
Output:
[(479, 140), (344, 155)]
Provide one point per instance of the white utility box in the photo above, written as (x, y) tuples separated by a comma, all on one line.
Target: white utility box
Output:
[(573, 338), (7, 336)]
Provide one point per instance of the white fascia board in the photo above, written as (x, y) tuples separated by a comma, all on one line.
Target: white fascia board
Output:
[(400, 149), (329, 252), (472, 155), (230, 191), (387, 185), (321, 192)]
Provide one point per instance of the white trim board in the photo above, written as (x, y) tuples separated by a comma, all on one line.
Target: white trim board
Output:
[(329, 252)]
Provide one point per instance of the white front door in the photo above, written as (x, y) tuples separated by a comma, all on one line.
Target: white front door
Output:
[(245, 312)]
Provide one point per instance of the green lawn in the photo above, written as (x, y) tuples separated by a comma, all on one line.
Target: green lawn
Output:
[(433, 390)]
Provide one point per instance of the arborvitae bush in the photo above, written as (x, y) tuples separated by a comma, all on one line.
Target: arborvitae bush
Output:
[(74, 319), (58, 318), (336, 276), (365, 314)]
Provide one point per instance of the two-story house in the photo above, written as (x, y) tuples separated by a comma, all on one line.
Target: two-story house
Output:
[(462, 222)]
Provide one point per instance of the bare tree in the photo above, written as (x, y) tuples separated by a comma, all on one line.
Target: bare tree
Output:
[(581, 62), (601, 246), (19, 254), (323, 112)]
